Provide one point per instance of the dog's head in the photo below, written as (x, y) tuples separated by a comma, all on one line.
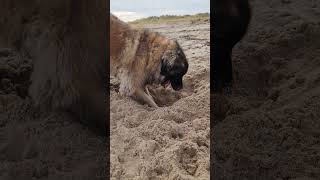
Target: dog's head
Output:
[(174, 66)]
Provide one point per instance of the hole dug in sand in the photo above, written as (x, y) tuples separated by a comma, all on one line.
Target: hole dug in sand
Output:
[(163, 97), (167, 96)]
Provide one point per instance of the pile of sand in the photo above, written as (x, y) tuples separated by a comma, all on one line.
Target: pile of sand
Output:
[(269, 127), (171, 142)]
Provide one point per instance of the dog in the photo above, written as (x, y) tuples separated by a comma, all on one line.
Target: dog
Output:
[(231, 20), (140, 57), (67, 41)]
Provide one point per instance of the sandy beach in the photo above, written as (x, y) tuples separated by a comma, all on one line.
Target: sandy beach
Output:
[(268, 128), (171, 142)]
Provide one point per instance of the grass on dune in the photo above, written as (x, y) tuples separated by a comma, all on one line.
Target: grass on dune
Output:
[(168, 19)]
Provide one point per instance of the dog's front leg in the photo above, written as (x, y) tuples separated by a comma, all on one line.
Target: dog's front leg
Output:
[(140, 94), (148, 92)]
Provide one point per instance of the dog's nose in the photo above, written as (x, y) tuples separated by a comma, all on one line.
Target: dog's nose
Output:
[(176, 88)]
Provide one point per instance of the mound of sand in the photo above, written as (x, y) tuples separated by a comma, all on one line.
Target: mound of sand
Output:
[(269, 127), (171, 142)]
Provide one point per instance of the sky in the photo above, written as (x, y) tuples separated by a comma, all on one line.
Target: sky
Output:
[(130, 10)]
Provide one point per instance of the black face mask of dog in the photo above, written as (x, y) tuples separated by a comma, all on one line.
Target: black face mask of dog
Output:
[(174, 66)]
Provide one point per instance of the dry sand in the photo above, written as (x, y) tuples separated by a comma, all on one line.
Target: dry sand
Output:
[(171, 142), (269, 128)]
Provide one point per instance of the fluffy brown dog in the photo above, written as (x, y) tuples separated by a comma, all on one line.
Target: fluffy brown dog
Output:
[(142, 57), (67, 42)]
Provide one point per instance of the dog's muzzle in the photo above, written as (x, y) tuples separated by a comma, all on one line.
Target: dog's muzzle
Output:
[(176, 83), (165, 82)]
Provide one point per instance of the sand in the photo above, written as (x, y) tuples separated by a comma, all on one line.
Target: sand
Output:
[(269, 127), (36, 145), (171, 142)]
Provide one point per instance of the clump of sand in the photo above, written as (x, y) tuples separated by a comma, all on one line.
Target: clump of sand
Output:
[(171, 142)]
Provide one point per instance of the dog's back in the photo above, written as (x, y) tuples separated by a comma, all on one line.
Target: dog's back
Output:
[(124, 42), (118, 30)]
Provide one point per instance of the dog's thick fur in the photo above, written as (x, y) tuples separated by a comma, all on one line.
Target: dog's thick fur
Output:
[(230, 20), (67, 40), (142, 57)]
